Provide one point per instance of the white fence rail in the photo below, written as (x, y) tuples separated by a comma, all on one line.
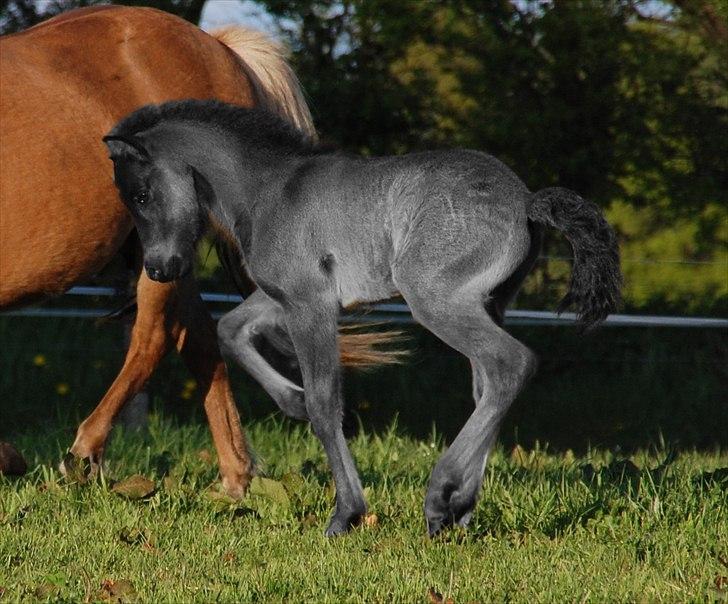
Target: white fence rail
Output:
[(386, 312)]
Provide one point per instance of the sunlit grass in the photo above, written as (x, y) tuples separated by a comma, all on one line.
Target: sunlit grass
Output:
[(549, 527), (609, 483)]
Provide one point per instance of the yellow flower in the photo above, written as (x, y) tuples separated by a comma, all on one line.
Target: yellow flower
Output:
[(39, 360), (186, 395), (190, 385), (62, 388)]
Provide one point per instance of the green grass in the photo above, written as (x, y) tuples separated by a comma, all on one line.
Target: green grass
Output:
[(609, 482), (548, 527)]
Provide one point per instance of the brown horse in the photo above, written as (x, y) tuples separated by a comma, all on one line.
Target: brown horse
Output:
[(65, 83)]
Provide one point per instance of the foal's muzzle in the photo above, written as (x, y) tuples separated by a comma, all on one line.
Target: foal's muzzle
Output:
[(166, 270)]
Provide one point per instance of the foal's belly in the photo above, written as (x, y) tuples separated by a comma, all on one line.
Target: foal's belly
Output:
[(358, 283)]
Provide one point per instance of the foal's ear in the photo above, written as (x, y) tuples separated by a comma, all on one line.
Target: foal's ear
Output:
[(126, 147)]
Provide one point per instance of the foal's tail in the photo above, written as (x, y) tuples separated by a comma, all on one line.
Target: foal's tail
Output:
[(596, 278)]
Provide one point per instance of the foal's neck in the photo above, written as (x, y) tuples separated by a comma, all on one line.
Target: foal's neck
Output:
[(241, 172)]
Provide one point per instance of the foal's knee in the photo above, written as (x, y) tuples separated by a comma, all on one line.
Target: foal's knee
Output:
[(228, 329), (512, 368)]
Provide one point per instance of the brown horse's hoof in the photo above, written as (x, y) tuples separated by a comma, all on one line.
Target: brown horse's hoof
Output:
[(78, 469), (11, 461)]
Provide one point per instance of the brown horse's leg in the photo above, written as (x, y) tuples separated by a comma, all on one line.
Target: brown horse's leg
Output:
[(197, 343), (150, 340), (166, 314)]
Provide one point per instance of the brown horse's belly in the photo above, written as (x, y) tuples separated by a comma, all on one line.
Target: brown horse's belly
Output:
[(64, 85)]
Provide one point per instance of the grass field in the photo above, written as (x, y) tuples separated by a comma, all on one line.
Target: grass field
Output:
[(610, 482)]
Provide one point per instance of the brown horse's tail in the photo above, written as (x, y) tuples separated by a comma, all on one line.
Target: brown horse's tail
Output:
[(275, 85), (277, 89)]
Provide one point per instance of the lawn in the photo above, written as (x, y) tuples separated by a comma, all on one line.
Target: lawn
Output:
[(565, 514)]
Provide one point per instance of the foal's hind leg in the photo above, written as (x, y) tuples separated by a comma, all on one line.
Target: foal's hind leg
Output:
[(504, 365), (258, 319), (453, 305)]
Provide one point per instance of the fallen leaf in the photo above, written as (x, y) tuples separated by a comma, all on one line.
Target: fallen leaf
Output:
[(270, 489), (721, 583), (11, 461), (120, 591), (205, 455), (134, 487), (136, 536), (371, 520), (436, 597), (229, 556), (223, 503)]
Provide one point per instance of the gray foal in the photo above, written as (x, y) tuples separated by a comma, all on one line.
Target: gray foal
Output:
[(454, 232)]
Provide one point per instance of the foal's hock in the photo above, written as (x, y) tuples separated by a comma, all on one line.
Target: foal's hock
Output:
[(454, 232)]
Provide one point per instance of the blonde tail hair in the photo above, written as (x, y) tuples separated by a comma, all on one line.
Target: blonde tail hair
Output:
[(275, 86)]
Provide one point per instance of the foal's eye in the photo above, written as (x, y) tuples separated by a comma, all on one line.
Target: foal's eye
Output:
[(141, 198)]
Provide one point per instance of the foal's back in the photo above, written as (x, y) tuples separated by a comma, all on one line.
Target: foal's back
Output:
[(462, 208)]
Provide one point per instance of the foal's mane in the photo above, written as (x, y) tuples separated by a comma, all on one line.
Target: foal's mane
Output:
[(255, 126)]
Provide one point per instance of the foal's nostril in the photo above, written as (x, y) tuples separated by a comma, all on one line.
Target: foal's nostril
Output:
[(154, 273)]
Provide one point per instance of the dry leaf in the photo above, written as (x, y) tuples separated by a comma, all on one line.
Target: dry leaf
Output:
[(436, 597), (135, 536), (78, 469), (205, 455), (117, 591), (371, 520), (11, 461), (229, 556), (134, 487)]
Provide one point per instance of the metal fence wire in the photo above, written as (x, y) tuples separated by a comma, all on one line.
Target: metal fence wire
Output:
[(385, 312)]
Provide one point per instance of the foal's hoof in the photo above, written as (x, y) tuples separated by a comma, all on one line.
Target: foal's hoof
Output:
[(446, 507), (78, 469), (342, 522)]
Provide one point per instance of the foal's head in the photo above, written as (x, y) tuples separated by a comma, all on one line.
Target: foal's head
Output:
[(164, 197)]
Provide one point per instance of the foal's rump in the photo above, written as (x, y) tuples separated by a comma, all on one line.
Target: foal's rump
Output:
[(466, 229)]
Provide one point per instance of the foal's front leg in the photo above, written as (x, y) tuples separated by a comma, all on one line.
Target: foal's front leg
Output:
[(313, 329), (243, 329)]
